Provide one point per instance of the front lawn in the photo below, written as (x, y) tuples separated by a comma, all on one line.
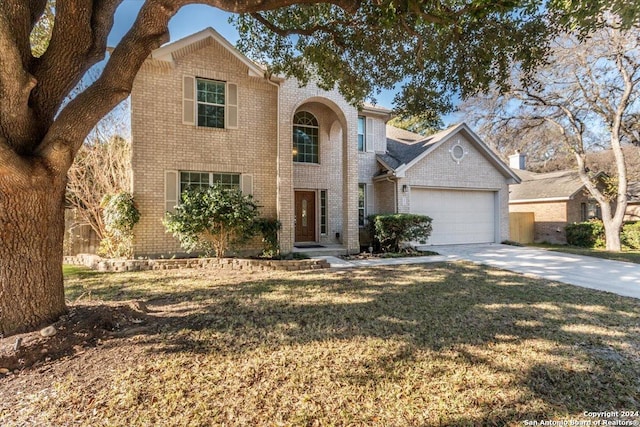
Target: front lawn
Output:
[(420, 345), (626, 255)]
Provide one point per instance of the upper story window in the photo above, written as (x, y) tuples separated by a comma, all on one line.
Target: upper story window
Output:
[(362, 132), (211, 102), (305, 138)]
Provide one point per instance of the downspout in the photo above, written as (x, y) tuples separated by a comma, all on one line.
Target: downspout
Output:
[(278, 190)]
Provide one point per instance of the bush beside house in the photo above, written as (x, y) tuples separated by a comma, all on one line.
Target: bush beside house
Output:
[(631, 235), (391, 231), (590, 234), (587, 234), (213, 219), (119, 215)]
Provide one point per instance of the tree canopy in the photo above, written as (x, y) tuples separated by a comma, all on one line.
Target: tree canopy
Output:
[(433, 49)]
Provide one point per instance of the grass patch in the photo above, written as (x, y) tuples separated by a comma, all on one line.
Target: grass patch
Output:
[(421, 345), (626, 255), (77, 272)]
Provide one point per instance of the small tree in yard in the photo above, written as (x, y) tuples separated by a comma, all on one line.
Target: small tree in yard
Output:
[(119, 215), (213, 219), (392, 230)]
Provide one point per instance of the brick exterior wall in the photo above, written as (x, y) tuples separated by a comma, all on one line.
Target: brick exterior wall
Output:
[(550, 220), (474, 172), (385, 193), (162, 142), (633, 212), (552, 217), (337, 171), (262, 147)]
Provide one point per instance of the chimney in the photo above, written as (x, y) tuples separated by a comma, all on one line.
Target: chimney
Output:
[(517, 161)]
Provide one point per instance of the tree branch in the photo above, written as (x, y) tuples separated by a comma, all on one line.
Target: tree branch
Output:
[(245, 6), (18, 22), (12, 165), (16, 118), (309, 31), (81, 114), (78, 41), (37, 9)]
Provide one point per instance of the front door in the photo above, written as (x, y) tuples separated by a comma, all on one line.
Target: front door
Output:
[(305, 216)]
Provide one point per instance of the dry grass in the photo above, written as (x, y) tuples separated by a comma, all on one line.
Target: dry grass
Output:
[(626, 255), (438, 344)]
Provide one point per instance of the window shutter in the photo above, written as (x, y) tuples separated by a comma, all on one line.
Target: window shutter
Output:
[(382, 141), (370, 208), (231, 115), (370, 141), (171, 190), (246, 184), (188, 100)]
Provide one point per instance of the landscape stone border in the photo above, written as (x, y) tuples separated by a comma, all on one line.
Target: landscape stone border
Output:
[(115, 265)]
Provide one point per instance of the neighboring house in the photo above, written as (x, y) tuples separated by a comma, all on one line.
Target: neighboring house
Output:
[(555, 198), (203, 113), (633, 204)]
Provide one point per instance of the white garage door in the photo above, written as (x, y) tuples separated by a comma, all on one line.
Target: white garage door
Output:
[(459, 216)]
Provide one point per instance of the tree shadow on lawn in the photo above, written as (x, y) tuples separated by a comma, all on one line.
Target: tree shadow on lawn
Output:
[(570, 348)]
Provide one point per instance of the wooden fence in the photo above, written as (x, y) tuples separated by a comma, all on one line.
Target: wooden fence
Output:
[(79, 238), (521, 227)]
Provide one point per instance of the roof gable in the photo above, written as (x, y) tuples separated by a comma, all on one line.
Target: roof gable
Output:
[(408, 149), (175, 50)]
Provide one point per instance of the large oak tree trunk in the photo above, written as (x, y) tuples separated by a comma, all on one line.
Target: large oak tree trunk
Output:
[(31, 239)]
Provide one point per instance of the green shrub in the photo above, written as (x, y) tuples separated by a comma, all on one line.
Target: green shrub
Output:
[(213, 219), (120, 215), (631, 235), (392, 230), (588, 234), (269, 230)]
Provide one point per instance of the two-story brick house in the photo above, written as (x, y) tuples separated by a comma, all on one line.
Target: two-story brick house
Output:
[(203, 113)]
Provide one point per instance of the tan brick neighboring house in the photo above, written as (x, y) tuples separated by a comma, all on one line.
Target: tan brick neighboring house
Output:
[(633, 206), (555, 198), (203, 113)]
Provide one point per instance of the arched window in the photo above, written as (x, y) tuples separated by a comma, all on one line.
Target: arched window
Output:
[(305, 138)]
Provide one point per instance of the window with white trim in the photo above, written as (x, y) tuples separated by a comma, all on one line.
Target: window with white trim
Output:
[(362, 132), (362, 204), (190, 179), (209, 103), (210, 100), (305, 138), (323, 212)]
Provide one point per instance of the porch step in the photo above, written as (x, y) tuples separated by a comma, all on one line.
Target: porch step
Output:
[(325, 250)]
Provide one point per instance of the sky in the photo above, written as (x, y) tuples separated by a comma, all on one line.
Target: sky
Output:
[(191, 19)]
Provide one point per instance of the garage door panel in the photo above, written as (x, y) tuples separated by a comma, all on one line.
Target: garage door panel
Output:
[(459, 216)]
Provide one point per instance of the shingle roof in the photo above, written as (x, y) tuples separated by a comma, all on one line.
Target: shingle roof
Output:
[(406, 149), (553, 185), (404, 146)]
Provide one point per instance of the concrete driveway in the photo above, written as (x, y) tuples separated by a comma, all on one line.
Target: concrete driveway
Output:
[(622, 278)]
